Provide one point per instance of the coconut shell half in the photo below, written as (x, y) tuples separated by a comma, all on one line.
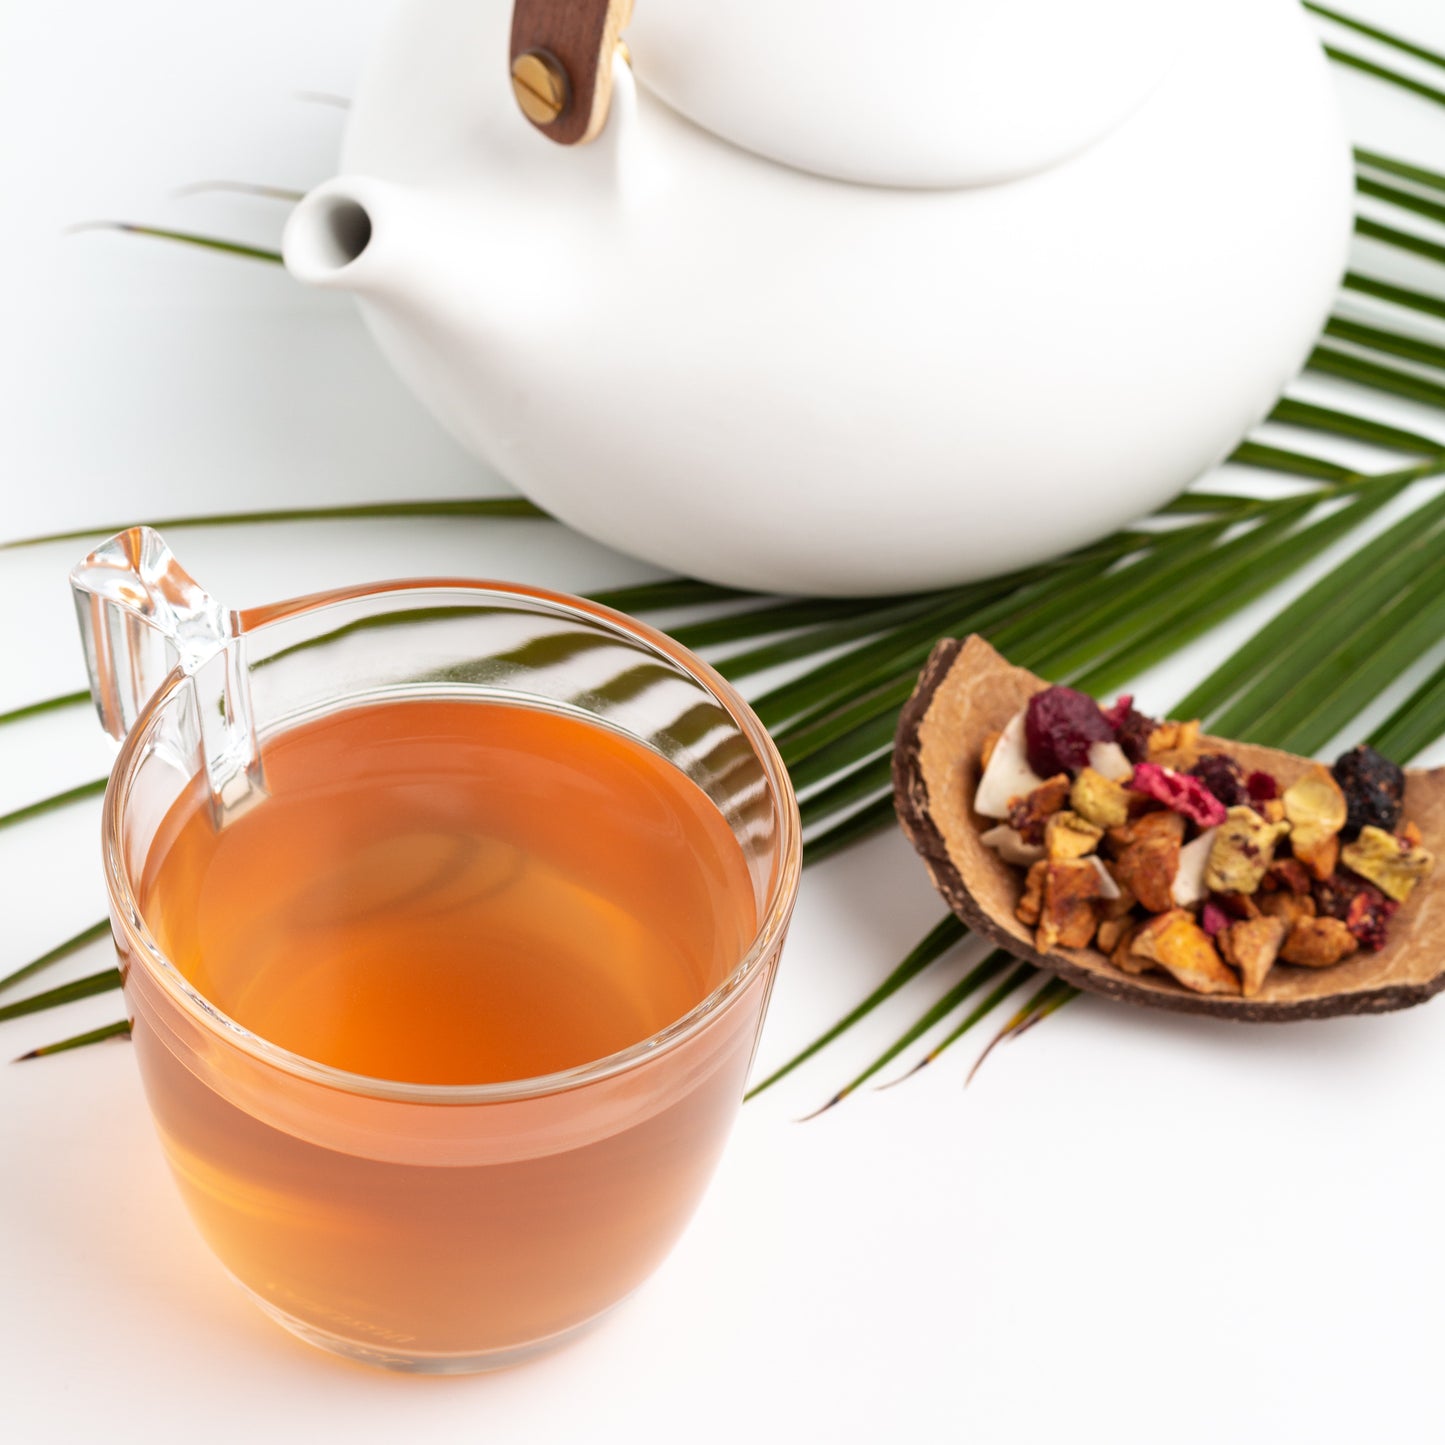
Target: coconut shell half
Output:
[(966, 691)]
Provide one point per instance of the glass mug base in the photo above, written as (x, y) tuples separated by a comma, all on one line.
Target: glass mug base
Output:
[(411, 1362)]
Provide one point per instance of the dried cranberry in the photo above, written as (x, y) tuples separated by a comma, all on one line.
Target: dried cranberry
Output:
[(1374, 790), (1180, 792), (1213, 919), (1261, 787), (1363, 909), (1222, 776), (1059, 726), (1131, 728)]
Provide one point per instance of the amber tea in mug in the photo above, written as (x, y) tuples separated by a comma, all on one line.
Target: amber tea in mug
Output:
[(446, 952)]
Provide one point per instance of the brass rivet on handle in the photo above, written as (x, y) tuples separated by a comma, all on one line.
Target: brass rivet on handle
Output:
[(540, 85)]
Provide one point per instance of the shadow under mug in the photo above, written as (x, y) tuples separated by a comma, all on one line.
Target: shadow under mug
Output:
[(420, 1227)]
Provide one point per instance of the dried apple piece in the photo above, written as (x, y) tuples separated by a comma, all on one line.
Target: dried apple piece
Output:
[(1029, 814), (1175, 942), (1031, 905), (1071, 890), (1288, 874), (1288, 906), (1252, 945), (1158, 824), (1111, 931), (1318, 942), (1147, 869)]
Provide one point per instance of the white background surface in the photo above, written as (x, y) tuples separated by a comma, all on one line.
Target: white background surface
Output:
[(1132, 1227)]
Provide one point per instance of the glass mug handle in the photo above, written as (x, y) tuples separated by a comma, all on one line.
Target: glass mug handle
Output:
[(141, 615)]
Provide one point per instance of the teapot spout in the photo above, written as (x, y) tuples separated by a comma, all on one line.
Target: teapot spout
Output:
[(339, 234)]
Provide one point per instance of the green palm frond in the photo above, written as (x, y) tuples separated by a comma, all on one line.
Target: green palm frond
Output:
[(1096, 618)]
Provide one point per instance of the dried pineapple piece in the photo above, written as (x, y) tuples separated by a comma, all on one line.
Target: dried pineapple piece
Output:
[(1392, 863), (1067, 835), (1103, 801), (1243, 849), (1071, 889), (1176, 943), (1316, 809), (1252, 945)]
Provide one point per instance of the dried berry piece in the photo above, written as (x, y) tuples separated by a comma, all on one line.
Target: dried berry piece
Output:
[(1374, 790), (1059, 726), (1261, 787), (1369, 918), (1213, 919), (1180, 792), (1223, 777), (1359, 905), (1132, 728)]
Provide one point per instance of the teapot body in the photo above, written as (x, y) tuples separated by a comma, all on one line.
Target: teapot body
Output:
[(789, 382)]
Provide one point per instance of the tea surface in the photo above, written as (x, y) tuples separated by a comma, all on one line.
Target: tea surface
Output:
[(454, 892)]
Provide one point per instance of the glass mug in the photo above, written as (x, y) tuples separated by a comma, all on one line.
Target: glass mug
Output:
[(423, 1227)]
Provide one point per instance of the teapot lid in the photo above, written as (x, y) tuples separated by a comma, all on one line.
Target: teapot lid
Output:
[(929, 93)]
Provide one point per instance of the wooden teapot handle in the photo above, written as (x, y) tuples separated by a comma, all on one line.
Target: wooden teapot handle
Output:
[(562, 64)]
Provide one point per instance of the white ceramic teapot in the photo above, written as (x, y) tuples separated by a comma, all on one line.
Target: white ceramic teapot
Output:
[(846, 339)]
